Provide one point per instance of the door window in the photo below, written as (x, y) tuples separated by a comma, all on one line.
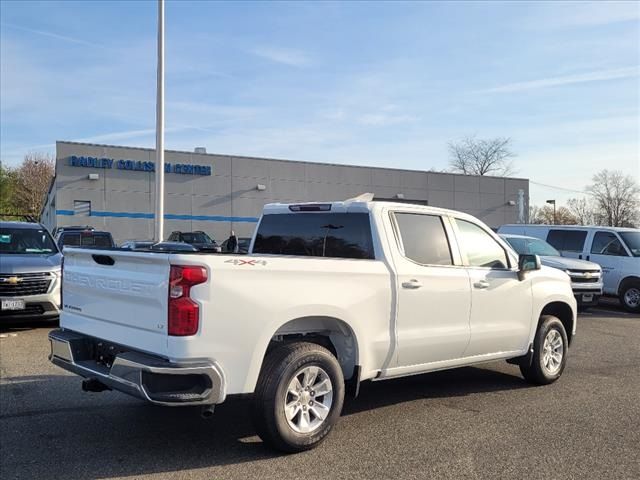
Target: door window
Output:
[(423, 238), (481, 248), (607, 243), (567, 240)]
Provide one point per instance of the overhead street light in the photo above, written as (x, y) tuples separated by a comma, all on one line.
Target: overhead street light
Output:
[(553, 202)]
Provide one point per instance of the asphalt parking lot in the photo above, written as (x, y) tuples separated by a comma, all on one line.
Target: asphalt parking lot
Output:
[(481, 422)]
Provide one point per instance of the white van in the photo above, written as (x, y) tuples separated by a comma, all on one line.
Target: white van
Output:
[(615, 249)]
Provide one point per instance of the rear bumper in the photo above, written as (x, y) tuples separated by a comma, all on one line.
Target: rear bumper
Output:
[(138, 374)]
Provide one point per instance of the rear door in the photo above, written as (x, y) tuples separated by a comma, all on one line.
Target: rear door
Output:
[(118, 296), (501, 304), (434, 298)]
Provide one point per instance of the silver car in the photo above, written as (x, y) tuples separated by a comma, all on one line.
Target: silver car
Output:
[(586, 277), (30, 273)]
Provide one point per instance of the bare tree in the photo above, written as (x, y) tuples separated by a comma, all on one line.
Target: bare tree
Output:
[(472, 156), (584, 210), (617, 198), (33, 178), (544, 215)]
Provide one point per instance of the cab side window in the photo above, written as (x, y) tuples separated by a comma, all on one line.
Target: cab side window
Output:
[(607, 243), (481, 248), (423, 238)]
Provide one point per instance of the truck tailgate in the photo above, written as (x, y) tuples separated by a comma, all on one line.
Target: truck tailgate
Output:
[(118, 296)]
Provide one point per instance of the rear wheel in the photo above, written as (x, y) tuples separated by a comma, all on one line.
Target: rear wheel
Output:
[(298, 397), (630, 296), (550, 348)]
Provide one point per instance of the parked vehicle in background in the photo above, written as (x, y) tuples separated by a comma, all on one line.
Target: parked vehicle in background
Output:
[(243, 245), (167, 246), (331, 295), (29, 272), (198, 239), (586, 277), (615, 249), (83, 237)]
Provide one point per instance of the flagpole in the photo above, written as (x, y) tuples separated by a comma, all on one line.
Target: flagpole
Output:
[(159, 167)]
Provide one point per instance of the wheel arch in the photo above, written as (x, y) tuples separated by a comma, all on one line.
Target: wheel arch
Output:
[(328, 331), (626, 280), (564, 313)]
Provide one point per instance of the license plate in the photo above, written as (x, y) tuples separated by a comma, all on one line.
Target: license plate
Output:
[(587, 297), (13, 304)]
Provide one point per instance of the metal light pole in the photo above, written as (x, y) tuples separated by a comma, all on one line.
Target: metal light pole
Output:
[(159, 167), (553, 202)]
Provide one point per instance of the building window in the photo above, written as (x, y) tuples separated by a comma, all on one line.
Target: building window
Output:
[(82, 208)]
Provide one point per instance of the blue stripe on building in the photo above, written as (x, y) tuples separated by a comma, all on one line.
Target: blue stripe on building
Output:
[(167, 216)]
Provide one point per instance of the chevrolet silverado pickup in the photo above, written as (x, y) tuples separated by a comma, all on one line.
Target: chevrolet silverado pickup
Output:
[(329, 295)]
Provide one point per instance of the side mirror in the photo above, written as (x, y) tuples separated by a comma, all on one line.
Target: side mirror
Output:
[(527, 263)]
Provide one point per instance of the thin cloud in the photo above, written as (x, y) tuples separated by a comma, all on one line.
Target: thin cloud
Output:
[(597, 76), (286, 56), (65, 38)]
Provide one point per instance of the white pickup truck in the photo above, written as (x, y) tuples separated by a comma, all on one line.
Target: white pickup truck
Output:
[(330, 295)]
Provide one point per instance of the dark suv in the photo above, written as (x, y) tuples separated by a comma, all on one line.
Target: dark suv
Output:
[(83, 237), (198, 239)]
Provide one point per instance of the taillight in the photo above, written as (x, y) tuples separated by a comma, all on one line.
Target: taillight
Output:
[(184, 313)]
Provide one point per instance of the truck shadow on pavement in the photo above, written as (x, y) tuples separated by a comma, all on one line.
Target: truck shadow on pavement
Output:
[(51, 429), (460, 382)]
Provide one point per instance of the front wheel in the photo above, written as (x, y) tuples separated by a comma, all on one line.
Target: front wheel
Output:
[(630, 297), (550, 348), (298, 397)]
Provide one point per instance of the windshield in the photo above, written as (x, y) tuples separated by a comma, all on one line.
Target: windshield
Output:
[(632, 240), (532, 246), (536, 246), (26, 241), (197, 237)]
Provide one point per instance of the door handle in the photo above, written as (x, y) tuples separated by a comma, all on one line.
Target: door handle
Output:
[(411, 284), (481, 284)]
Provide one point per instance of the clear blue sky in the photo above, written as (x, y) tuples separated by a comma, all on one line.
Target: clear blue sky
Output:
[(386, 84)]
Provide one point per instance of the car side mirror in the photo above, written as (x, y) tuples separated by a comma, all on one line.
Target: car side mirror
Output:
[(528, 263)]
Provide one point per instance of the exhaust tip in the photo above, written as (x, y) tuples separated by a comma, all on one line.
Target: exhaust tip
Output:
[(207, 411)]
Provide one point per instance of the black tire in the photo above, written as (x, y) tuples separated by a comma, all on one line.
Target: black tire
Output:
[(268, 410), (628, 296), (538, 373)]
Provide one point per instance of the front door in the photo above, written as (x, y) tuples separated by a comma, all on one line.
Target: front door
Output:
[(502, 304), (434, 298), (606, 251)]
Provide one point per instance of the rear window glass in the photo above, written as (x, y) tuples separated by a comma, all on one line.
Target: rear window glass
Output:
[(98, 240), (71, 239), (87, 240), (339, 235), (424, 239), (567, 240)]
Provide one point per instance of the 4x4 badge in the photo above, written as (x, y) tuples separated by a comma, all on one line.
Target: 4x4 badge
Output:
[(237, 261)]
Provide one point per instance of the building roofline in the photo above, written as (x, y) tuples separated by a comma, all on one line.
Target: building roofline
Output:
[(284, 160)]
